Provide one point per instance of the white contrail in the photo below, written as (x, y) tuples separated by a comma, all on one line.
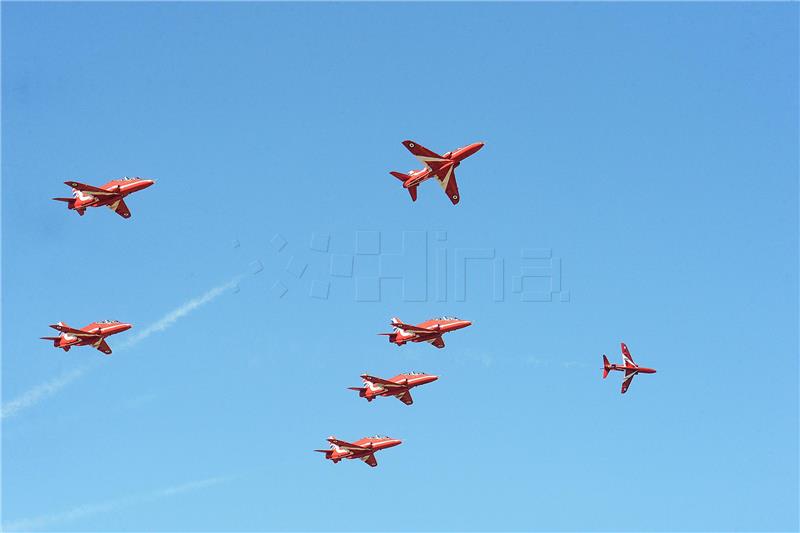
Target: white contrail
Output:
[(176, 314), (43, 521), (40, 392), (48, 388)]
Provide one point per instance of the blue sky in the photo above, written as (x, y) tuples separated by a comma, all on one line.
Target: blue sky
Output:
[(651, 150)]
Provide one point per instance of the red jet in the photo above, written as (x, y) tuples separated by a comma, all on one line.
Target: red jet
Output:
[(94, 334), (442, 167), (429, 331), (363, 449), (399, 386), (112, 194), (629, 367)]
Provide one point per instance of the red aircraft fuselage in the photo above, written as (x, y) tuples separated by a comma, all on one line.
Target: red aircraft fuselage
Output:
[(429, 331), (399, 386), (112, 194), (442, 167), (363, 449), (92, 335), (628, 366), (623, 368)]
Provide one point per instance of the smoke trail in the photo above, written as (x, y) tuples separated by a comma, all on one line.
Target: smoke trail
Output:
[(173, 316), (49, 388), (40, 392), (82, 511)]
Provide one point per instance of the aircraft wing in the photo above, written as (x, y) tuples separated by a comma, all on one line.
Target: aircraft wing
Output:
[(63, 328), (449, 185), (120, 208), (103, 346), (380, 381), (427, 157), (405, 397), (438, 342), (410, 328), (628, 379), (344, 444), (87, 188), (626, 355), (370, 460)]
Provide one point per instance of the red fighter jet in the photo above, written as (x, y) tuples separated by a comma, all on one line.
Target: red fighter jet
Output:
[(629, 367), (363, 449), (399, 386), (112, 194), (442, 167), (429, 331), (92, 335)]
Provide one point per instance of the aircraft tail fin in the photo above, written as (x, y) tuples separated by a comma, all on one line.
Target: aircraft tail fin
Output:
[(404, 177), (606, 366)]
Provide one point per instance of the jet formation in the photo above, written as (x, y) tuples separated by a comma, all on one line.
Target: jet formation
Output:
[(112, 194), (92, 335), (441, 167)]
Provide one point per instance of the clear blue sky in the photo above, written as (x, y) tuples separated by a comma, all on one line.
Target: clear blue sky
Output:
[(652, 148)]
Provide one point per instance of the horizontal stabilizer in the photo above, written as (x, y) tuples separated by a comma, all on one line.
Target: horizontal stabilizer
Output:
[(399, 175), (392, 336), (362, 391)]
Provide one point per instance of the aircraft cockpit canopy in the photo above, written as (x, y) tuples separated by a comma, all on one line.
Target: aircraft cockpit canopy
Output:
[(447, 318)]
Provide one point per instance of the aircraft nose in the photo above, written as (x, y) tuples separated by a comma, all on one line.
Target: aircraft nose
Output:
[(393, 442), (147, 183), (432, 378), (125, 327)]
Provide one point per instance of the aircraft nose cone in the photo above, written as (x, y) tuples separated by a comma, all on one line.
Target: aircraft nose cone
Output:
[(147, 183), (432, 378), (125, 327), (393, 442)]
